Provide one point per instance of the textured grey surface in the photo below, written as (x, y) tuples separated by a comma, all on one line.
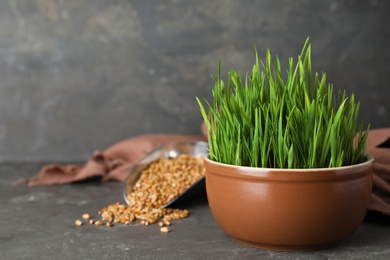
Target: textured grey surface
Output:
[(38, 223), (77, 75)]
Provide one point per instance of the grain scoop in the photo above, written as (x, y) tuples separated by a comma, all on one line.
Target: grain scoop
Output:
[(168, 151)]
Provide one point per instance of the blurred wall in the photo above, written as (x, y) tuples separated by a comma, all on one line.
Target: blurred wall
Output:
[(77, 75)]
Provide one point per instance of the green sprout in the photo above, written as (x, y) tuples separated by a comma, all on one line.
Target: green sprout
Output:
[(267, 120)]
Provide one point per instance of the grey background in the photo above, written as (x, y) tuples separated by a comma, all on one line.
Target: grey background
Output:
[(77, 75)]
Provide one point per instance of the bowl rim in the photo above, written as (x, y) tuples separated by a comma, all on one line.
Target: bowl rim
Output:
[(283, 174)]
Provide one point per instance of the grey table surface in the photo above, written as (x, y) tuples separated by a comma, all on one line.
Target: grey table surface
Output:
[(38, 223)]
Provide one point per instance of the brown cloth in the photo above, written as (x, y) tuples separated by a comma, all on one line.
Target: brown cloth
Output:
[(378, 146), (112, 164), (115, 162)]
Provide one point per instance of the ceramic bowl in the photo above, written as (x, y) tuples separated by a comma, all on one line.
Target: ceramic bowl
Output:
[(288, 209)]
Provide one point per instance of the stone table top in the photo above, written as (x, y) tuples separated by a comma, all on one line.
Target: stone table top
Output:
[(38, 223)]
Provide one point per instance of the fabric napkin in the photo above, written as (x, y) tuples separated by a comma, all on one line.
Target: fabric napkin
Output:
[(112, 164), (115, 162), (378, 146)]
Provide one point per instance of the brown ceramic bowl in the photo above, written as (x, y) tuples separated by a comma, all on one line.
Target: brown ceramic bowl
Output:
[(288, 209)]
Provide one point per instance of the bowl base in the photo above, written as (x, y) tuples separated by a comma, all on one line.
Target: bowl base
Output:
[(286, 247)]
